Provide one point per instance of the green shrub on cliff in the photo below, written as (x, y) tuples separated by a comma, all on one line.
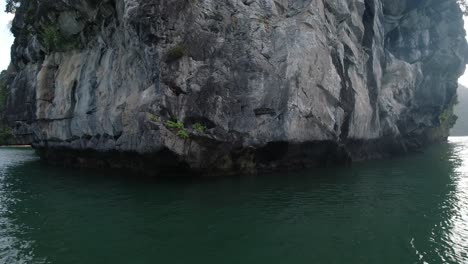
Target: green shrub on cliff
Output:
[(179, 127), (177, 52), (175, 124), (54, 40), (183, 134), (154, 118), (199, 127), (3, 91), (448, 118)]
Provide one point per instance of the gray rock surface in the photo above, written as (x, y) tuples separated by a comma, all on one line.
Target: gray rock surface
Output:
[(276, 83)]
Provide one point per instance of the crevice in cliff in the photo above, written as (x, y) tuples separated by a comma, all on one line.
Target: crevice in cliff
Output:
[(347, 96), (48, 120), (330, 97), (73, 100), (368, 44)]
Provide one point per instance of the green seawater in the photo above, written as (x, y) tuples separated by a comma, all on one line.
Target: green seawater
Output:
[(412, 209)]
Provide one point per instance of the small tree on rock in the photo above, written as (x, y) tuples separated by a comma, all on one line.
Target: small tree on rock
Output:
[(11, 6)]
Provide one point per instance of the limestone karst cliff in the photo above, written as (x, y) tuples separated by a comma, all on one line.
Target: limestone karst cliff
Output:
[(232, 85)]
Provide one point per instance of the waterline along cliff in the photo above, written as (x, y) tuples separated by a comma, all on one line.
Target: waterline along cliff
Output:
[(227, 86)]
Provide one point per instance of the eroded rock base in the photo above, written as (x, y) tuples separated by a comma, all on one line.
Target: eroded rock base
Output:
[(275, 156)]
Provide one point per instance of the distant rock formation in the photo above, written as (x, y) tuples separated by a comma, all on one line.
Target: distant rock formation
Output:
[(461, 111), (232, 86)]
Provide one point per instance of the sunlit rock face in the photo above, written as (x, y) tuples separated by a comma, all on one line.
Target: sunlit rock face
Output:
[(273, 83)]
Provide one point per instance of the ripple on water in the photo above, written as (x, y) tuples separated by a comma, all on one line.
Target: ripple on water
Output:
[(408, 210), (458, 222), (13, 249)]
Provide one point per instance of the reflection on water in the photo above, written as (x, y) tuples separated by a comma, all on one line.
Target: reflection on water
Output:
[(412, 209)]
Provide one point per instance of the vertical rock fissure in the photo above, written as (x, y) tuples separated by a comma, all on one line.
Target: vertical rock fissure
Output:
[(368, 44), (347, 96)]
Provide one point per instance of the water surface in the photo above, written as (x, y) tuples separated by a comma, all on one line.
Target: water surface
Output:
[(412, 209)]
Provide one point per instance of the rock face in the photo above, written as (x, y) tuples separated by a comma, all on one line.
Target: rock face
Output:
[(232, 85)]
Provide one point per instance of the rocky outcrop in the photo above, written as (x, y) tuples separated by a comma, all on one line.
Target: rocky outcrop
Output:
[(232, 85), (6, 136)]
